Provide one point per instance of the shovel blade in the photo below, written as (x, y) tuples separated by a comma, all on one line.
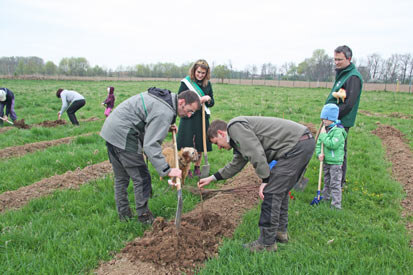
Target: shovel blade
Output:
[(205, 171), (178, 210), (302, 184)]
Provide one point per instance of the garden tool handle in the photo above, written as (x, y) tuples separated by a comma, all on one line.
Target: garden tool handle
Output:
[(178, 180), (320, 173), (8, 121), (204, 129), (319, 130)]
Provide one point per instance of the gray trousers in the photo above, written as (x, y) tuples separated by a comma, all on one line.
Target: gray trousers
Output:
[(332, 184), (283, 177), (130, 165)]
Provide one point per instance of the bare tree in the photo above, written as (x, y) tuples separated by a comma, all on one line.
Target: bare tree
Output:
[(264, 70), (373, 64), (404, 63), (389, 68), (284, 69), (410, 70), (272, 70), (230, 68)]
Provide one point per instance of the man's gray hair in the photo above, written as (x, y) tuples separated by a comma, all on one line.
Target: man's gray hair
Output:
[(345, 50)]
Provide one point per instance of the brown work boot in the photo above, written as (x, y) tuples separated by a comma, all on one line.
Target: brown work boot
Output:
[(282, 237), (146, 218), (256, 246)]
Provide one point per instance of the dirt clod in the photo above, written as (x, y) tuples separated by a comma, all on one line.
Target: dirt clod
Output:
[(52, 123), (21, 124)]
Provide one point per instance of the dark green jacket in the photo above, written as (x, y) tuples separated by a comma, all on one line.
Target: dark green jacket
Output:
[(190, 129), (350, 80)]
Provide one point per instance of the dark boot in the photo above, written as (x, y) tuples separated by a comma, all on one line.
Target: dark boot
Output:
[(124, 217), (146, 218), (256, 246), (281, 237)]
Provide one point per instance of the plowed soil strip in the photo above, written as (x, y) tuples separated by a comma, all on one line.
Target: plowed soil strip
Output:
[(71, 179), (18, 151), (46, 123), (164, 251), (394, 115), (401, 157)]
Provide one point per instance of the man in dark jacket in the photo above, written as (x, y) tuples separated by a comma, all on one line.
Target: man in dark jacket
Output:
[(7, 100), (260, 140), (140, 124), (349, 79)]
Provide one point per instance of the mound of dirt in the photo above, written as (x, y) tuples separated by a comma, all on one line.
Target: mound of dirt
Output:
[(21, 124), (52, 123), (163, 251), (196, 241)]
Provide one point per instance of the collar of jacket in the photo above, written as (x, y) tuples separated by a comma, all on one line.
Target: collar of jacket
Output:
[(340, 72)]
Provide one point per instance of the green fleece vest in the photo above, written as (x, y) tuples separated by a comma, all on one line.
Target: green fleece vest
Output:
[(341, 78)]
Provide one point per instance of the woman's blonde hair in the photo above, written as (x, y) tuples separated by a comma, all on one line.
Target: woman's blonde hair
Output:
[(204, 65)]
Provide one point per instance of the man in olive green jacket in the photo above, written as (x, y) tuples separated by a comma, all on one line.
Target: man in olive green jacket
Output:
[(260, 140)]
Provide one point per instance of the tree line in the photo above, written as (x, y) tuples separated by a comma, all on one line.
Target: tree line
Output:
[(318, 67)]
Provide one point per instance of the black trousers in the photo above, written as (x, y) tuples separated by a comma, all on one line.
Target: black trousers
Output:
[(343, 179), (76, 105)]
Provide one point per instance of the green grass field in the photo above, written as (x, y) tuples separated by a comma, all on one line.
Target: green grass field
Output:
[(71, 231)]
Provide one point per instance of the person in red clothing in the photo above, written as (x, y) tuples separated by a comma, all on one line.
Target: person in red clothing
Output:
[(109, 102)]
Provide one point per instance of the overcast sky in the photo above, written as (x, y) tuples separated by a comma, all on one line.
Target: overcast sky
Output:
[(110, 33)]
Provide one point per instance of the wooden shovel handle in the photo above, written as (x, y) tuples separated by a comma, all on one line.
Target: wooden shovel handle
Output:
[(321, 170), (204, 129), (318, 131), (178, 180)]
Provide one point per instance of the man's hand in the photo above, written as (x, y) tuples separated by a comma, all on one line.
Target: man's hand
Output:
[(321, 157), (58, 115), (261, 190), (175, 172), (4, 117), (173, 128), (205, 181)]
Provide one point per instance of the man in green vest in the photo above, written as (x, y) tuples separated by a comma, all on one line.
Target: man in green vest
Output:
[(349, 79)]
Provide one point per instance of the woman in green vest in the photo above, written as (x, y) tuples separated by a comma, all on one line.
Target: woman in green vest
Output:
[(190, 129)]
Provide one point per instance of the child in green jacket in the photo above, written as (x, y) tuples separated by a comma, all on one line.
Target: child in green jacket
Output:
[(332, 136)]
